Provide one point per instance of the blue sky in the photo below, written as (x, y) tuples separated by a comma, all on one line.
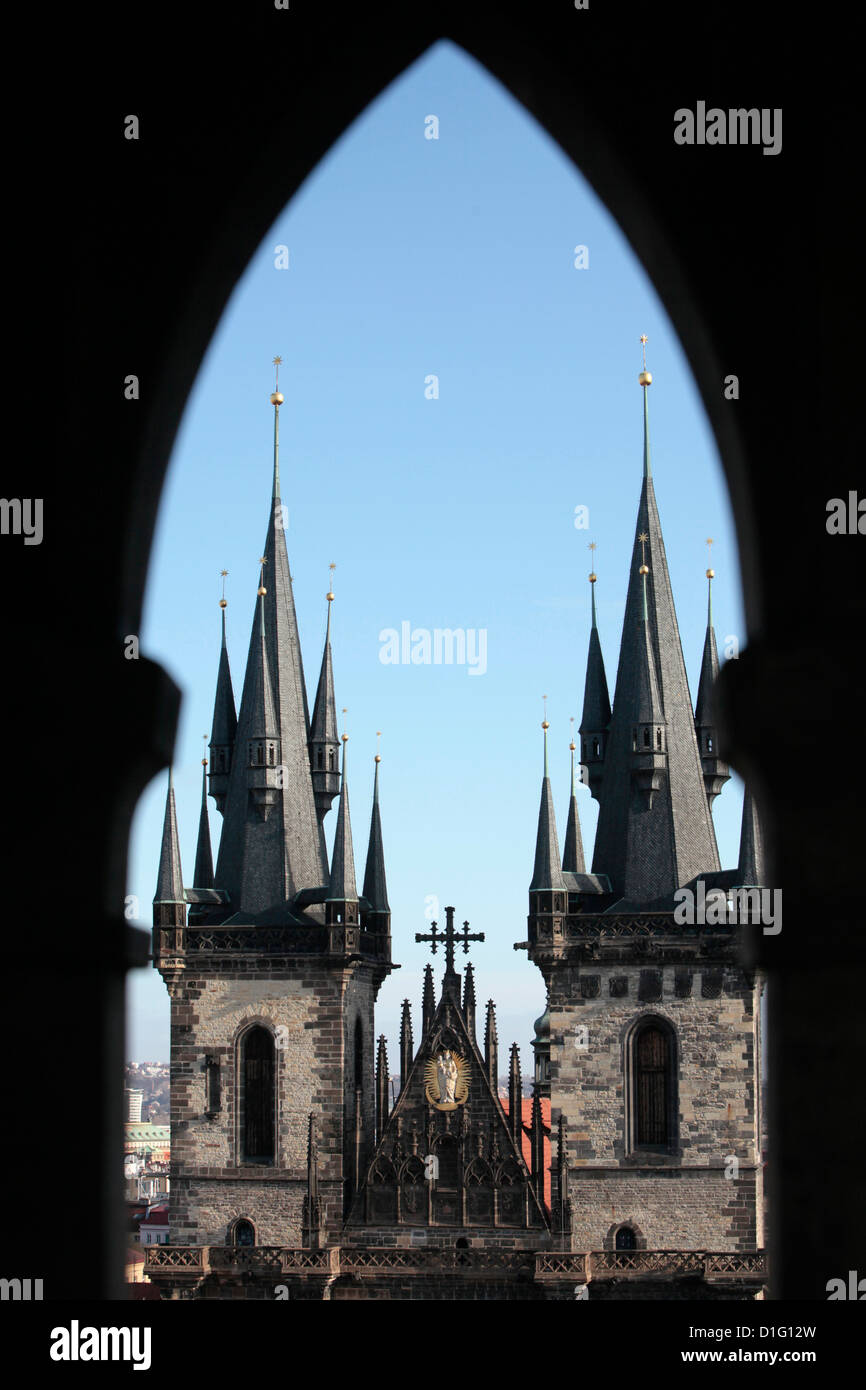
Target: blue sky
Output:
[(411, 257)]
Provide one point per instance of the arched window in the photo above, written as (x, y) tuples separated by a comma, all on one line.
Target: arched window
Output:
[(658, 738), (261, 753), (271, 754), (625, 1239), (320, 752), (646, 738), (243, 1233), (709, 744), (330, 759), (654, 1088), (257, 1096), (595, 747)]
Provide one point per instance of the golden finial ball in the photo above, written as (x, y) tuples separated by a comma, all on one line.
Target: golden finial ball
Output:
[(711, 574), (261, 591), (644, 569), (645, 378), (377, 759), (593, 577), (544, 724), (277, 398), (329, 596), (224, 603), (204, 762), (345, 738), (572, 745)]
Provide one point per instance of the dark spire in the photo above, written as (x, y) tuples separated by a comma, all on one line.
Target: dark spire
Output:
[(225, 722), (428, 1002), (596, 706), (375, 887), (203, 872), (169, 901), (547, 873), (515, 1096), (648, 851), (381, 1088), (491, 1048), (752, 865), (324, 741), (312, 1216), (572, 854), (716, 772), (342, 885), (469, 999), (263, 862), (406, 1044), (536, 1147)]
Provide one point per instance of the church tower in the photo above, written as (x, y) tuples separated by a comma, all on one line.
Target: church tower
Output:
[(652, 1026), (274, 973)]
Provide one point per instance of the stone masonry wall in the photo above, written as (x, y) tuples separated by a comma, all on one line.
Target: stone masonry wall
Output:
[(304, 1006), (680, 1200)]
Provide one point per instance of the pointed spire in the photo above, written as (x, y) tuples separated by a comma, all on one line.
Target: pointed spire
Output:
[(428, 1002), (342, 886), (406, 1043), (547, 873), (324, 740), (752, 864), (715, 770), (491, 1048), (536, 1147), (645, 380), (312, 1214), (169, 880), (469, 999), (381, 1088), (515, 1097), (652, 843), (203, 871), (225, 722), (596, 703), (375, 887), (265, 860), (572, 854)]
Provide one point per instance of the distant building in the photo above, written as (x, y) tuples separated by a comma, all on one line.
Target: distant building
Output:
[(148, 1140), (153, 1228), (133, 1105)]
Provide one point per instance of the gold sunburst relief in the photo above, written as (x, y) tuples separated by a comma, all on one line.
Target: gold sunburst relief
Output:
[(446, 1080)]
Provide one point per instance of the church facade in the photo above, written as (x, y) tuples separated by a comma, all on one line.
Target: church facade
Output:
[(633, 1171)]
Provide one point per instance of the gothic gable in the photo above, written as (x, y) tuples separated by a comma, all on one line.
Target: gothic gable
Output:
[(446, 1157)]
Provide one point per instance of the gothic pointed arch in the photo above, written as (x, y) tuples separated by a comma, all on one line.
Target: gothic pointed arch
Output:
[(651, 1089)]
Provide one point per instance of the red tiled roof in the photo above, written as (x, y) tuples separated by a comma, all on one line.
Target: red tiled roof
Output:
[(157, 1216), (526, 1146)]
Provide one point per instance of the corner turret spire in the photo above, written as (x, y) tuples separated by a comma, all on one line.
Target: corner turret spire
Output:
[(169, 899), (203, 871), (375, 887), (716, 772), (572, 854), (596, 704), (324, 742), (225, 722), (547, 873), (342, 885)]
